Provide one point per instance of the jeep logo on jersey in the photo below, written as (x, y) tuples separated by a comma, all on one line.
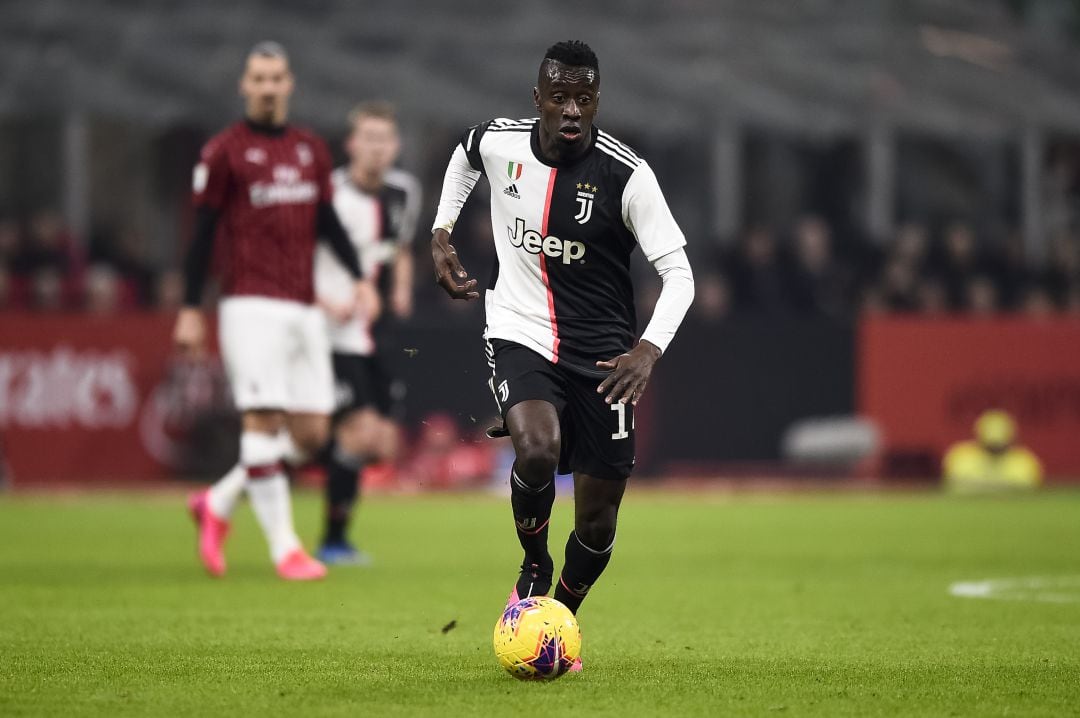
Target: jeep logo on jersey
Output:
[(534, 243)]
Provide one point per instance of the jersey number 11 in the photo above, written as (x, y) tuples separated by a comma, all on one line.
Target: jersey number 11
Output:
[(620, 409)]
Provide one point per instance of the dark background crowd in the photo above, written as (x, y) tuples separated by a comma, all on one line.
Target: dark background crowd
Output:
[(44, 267), (802, 270), (908, 156), (948, 269)]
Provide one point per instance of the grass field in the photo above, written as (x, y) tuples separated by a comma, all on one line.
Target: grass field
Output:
[(790, 605)]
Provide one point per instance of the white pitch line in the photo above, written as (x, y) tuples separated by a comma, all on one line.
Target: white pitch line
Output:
[(1042, 589)]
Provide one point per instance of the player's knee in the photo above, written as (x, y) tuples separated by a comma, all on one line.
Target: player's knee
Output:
[(310, 439), (350, 437), (537, 457), (597, 530)]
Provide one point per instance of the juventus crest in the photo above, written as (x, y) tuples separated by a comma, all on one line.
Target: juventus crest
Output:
[(586, 193)]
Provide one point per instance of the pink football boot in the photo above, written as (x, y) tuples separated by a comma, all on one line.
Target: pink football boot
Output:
[(298, 566), (212, 532)]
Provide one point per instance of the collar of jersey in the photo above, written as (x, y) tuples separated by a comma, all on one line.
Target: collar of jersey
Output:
[(264, 128), (534, 140)]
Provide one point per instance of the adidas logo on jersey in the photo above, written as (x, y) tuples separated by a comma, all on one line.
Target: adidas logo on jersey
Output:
[(535, 243), (512, 191)]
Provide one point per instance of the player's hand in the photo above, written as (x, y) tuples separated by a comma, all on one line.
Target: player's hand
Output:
[(368, 302), (449, 274), (337, 313), (189, 334), (629, 374)]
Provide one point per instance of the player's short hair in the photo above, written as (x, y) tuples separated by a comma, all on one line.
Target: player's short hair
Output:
[(380, 109), (574, 53), (269, 48)]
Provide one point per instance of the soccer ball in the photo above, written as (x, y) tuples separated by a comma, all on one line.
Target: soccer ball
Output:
[(537, 638)]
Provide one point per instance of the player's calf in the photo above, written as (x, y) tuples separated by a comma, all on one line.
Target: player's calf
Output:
[(582, 568)]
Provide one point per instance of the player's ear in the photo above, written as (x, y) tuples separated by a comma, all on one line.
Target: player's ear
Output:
[(536, 98)]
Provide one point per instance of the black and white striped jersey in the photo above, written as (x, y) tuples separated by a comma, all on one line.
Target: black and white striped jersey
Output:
[(380, 224), (564, 234)]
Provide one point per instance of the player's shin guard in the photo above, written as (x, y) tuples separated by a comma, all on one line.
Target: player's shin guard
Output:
[(532, 514), (342, 490), (268, 490), (582, 568)]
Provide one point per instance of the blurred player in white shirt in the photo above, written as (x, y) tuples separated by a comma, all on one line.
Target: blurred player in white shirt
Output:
[(378, 206)]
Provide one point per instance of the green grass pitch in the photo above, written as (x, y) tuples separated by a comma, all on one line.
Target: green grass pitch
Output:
[(821, 605)]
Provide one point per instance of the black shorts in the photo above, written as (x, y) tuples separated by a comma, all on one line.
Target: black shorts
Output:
[(361, 382), (597, 437)]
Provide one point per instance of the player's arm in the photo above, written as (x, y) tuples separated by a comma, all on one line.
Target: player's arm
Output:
[(403, 282), (458, 182), (331, 231), (647, 215), (403, 260), (210, 185), (190, 331)]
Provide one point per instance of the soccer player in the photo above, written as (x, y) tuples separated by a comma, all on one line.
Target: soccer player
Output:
[(264, 186), (569, 203), (379, 206)]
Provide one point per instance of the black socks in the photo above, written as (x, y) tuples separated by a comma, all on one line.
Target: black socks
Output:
[(583, 566), (342, 489), (532, 513)]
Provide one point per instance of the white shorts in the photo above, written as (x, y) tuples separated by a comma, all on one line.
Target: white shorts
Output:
[(277, 355)]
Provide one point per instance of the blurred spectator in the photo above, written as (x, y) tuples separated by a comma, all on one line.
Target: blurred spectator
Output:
[(1037, 302), (981, 295), (1011, 272), (757, 280), (993, 461), (126, 253), (932, 298), (712, 300), (898, 288), (103, 291), (818, 283), (169, 290), (47, 293), (1064, 267), (957, 262), (47, 245), (912, 244)]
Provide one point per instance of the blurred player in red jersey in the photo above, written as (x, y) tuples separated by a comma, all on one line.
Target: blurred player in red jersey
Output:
[(265, 187)]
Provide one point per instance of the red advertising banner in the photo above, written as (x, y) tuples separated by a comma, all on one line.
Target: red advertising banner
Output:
[(924, 381), (85, 399)]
